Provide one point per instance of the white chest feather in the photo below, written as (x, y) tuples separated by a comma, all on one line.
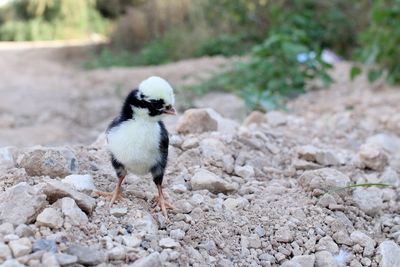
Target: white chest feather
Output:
[(135, 143)]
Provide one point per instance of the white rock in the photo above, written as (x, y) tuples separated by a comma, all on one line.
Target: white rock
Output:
[(341, 237), (183, 206), (5, 252), (387, 142), (390, 252), (73, 214), (167, 242), (284, 235), (7, 157), (12, 263), (119, 212), (87, 255), (6, 228), (80, 182), (307, 152), (370, 200), (255, 117), (179, 188), (373, 157), (131, 241), (55, 190), (324, 179), (117, 253), (327, 243), (21, 204), (235, 203), (177, 234), (20, 247), (50, 217), (245, 172), (49, 259), (152, 260), (65, 259), (276, 118), (204, 179), (359, 237), (324, 259), (190, 143), (304, 260)]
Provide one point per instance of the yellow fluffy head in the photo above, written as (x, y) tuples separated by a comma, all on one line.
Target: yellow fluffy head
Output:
[(155, 88)]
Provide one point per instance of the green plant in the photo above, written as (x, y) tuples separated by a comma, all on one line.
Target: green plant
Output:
[(273, 71), (380, 49), (108, 58)]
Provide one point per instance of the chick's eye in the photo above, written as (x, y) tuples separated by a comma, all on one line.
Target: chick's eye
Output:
[(168, 107)]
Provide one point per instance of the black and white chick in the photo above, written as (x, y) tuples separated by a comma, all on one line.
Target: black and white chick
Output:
[(138, 140)]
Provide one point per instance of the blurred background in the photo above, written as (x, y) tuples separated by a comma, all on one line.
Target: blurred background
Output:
[(65, 65)]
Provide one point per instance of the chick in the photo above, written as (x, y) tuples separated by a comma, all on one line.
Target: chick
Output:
[(138, 140)]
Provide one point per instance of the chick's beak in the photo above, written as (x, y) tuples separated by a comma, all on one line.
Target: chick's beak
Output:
[(170, 111)]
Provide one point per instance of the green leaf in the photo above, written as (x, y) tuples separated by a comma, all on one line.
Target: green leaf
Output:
[(354, 72), (373, 75)]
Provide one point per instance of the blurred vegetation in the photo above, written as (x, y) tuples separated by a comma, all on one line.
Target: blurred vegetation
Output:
[(269, 35), (29, 20), (380, 43)]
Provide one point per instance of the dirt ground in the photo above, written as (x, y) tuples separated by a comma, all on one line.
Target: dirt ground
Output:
[(254, 196), (47, 98)]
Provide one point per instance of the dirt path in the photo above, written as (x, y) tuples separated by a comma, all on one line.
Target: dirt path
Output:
[(47, 98), (253, 196)]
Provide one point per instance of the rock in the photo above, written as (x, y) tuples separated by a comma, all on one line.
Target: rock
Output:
[(20, 247), (44, 244), (304, 260), (54, 162), (190, 143), (7, 157), (24, 230), (5, 252), (254, 241), (290, 264), (245, 172), (50, 217), (167, 242), (324, 259), (373, 157), (196, 121), (327, 243), (284, 235), (329, 158), (152, 260), (65, 259), (307, 152), (183, 206), (177, 234), (55, 190), (324, 179), (276, 118), (86, 255), (131, 241), (21, 204), (368, 199), (341, 237), (390, 252), (225, 126), (235, 203), (387, 142), (212, 148), (73, 214), (255, 117), (12, 263), (204, 179), (49, 259), (119, 212), (80, 182), (226, 104), (362, 239), (6, 228), (116, 253)]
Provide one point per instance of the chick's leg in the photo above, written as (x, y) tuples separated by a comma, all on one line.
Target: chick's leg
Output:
[(116, 195), (160, 201)]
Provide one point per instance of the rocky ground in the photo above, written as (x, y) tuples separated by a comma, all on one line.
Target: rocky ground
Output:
[(252, 192)]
